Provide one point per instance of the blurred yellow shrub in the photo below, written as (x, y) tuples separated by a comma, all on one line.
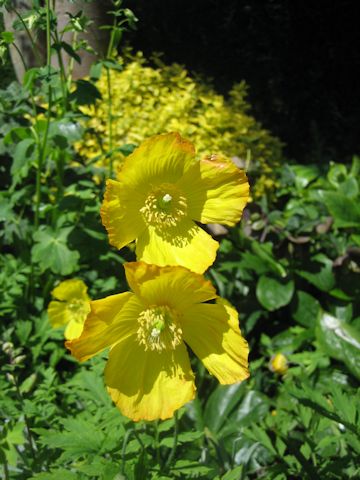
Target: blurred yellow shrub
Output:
[(148, 101)]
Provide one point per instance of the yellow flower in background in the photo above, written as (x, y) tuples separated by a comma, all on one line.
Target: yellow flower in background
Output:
[(148, 373), (279, 364), (70, 307), (161, 191)]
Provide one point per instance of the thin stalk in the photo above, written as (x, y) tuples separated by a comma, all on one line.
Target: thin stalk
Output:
[(112, 38), (42, 147), (110, 121), (123, 450), (33, 44), (71, 63), (157, 443), (173, 450), (109, 54), (6, 470), (63, 78), (27, 425), (33, 104)]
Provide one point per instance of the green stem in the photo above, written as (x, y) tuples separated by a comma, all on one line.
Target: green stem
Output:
[(33, 44), (157, 444), (71, 63), (42, 147), (112, 38), (48, 35), (6, 470), (63, 78), (173, 450), (110, 123), (27, 425), (123, 450)]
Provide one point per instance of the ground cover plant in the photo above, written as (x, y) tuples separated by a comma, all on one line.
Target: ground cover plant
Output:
[(290, 268)]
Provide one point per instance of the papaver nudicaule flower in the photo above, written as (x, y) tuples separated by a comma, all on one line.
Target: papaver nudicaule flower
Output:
[(159, 194), (70, 307), (148, 373)]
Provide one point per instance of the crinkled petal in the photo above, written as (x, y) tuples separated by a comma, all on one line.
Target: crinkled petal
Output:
[(148, 385), (73, 330), (73, 289), (161, 158), (120, 213), (216, 190), (186, 245), (58, 313), (111, 320), (176, 287), (212, 332)]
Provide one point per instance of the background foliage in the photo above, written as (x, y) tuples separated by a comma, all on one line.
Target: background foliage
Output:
[(147, 101), (291, 268)]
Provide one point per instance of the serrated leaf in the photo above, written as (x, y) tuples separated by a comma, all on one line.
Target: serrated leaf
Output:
[(190, 469)]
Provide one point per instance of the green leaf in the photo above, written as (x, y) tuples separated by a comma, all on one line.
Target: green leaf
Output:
[(7, 37), (190, 469), (68, 49), (221, 403), (307, 309), (78, 438), (51, 251), (321, 277), (253, 408), (274, 293), (23, 156), (235, 474), (339, 340), (345, 211), (185, 437), (304, 175), (85, 94), (72, 131), (265, 256)]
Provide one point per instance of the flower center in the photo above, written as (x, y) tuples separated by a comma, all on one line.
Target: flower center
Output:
[(159, 329), (164, 206), (78, 309)]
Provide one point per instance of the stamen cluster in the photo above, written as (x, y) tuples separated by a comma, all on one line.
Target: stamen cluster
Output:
[(159, 329), (165, 206)]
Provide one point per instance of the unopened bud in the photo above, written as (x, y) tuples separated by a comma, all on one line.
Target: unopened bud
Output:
[(278, 364)]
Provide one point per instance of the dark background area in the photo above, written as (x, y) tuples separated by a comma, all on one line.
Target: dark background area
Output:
[(300, 59)]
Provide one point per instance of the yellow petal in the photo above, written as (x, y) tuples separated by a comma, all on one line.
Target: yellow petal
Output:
[(186, 244), (176, 287), (73, 330), (212, 332), (217, 191), (161, 158), (58, 313), (70, 290), (120, 213), (110, 320), (148, 385)]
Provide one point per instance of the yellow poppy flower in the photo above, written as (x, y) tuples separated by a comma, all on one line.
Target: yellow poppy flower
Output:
[(161, 191), (70, 307), (148, 373)]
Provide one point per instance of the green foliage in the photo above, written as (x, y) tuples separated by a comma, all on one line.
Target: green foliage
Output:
[(291, 268)]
